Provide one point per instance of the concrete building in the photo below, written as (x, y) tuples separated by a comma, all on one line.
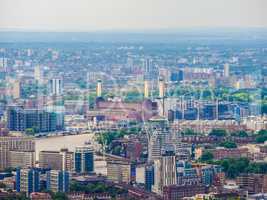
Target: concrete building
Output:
[(58, 181), (84, 159), (119, 170), (169, 176), (7, 144), (22, 159), (16, 89), (56, 86), (27, 180), (38, 74), (253, 183), (56, 160)]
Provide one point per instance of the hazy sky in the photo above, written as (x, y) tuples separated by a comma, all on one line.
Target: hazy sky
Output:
[(89, 15)]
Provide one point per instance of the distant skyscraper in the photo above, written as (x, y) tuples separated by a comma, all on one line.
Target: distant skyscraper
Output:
[(56, 86), (99, 88), (226, 70), (148, 68), (146, 89), (38, 74), (130, 63), (84, 159), (16, 90), (161, 88)]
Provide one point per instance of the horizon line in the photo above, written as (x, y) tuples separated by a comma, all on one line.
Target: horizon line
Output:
[(137, 30)]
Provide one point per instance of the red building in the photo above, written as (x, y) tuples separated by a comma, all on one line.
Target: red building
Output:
[(174, 192), (222, 153)]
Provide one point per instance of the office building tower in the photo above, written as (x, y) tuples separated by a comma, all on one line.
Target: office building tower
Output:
[(84, 159), (22, 159), (161, 88), (157, 187), (58, 181), (16, 89), (99, 88), (56, 160), (38, 74), (19, 119), (168, 168), (150, 72), (3, 63), (147, 65), (226, 71), (18, 144), (146, 89), (149, 177), (27, 180), (130, 63), (56, 86), (165, 170), (158, 134), (59, 112)]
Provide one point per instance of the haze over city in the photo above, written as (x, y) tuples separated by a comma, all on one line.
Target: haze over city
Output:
[(91, 15)]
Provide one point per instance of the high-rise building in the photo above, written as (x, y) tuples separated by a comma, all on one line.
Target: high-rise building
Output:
[(99, 88), (58, 181), (8, 144), (27, 180), (161, 88), (157, 128), (84, 159), (38, 74), (169, 168), (56, 160), (146, 89), (149, 177), (22, 159), (149, 71), (16, 89), (164, 170), (226, 72), (120, 170), (56, 86), (19, 119)]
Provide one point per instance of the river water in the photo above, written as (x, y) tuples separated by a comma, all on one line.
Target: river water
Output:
[(58, 142)]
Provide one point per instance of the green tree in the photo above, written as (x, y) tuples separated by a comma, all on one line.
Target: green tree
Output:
[(2, 185), (228, 144), (240, 134), (206, 156), (189, 132), (29, 131), (218, 132)]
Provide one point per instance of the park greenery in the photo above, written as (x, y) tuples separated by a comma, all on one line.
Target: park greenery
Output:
[(261, 136), (96, 188), (218, 133), (106, 138), (235, 166)]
